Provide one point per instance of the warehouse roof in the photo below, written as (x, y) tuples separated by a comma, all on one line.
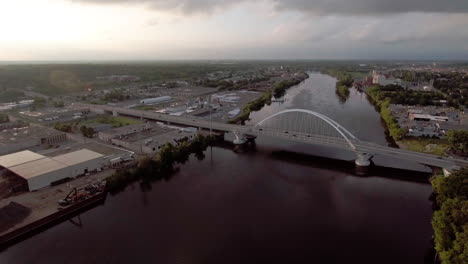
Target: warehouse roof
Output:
[(18, 158), (27, 164), (77, 157), (38, 167)]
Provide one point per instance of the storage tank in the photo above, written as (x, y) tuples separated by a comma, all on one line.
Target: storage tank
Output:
[(156, 100)]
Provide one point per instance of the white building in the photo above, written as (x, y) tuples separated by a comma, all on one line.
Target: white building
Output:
[(156, 100), (40, 171)]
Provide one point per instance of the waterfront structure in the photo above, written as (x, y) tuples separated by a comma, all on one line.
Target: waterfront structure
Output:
[(40, 171)]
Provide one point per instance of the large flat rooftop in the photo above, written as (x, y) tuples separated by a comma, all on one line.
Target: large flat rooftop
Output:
[(77, 157), (33, 164), (18, 158), (38, 167), (17, 135)]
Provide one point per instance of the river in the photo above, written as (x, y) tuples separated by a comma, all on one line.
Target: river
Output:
[(267, 205)]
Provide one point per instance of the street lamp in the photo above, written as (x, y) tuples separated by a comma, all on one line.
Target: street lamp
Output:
[(211, 122)]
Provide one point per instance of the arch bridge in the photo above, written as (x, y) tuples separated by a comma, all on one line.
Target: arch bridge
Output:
[(308, 127), (299, 125)]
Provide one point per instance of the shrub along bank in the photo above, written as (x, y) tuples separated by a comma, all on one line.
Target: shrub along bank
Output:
[(450, 220), (161, 166), (281, 87), (345, 81), (252, 106), (382, 104)]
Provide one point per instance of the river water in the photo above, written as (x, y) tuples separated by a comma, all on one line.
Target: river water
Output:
[(266, 205)]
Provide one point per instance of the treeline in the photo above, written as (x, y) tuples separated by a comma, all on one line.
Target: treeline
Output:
[(382, 103), (458, 140), (115, 96), (230, 85), (450, 220), (251, 107), (87, 131), (74, 77), (453, 84), (280, 88), (345, 81), (398, 95), (64, 127), (342, 92), (161, 166)]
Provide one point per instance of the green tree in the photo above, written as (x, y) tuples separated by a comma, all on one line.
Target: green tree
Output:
[(458, 140), (450, 222), (87, 131), (67, 128)]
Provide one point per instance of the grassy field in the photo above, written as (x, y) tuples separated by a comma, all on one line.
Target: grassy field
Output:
[(115, 121), (144, 107), (426, 145)]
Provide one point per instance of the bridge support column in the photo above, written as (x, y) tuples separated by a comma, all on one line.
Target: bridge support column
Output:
[(240, 139), (449, 171), (363, 160)]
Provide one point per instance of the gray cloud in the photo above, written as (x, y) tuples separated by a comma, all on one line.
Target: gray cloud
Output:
[(319, 7), (370, 7), (185, 6)]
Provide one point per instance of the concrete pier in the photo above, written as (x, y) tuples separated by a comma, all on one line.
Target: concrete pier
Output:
[(363, 160)]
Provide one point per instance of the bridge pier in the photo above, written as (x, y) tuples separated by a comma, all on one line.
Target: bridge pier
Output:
[(449, 171), (240, 139), (363, 160)]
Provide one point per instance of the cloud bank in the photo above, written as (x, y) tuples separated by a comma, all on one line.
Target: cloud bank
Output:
[(319, 7)]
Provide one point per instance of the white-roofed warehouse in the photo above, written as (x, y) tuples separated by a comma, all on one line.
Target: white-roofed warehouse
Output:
[(41, 171)]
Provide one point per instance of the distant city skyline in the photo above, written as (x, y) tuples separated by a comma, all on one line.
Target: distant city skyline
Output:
[(219, 30)]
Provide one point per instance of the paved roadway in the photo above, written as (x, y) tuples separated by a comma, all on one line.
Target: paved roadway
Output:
[(361, 146)]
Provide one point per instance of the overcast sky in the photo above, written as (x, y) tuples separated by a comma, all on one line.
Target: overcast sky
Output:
[(233, 29)]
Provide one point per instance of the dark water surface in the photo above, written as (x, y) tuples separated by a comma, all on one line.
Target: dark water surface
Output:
[(259, 206)]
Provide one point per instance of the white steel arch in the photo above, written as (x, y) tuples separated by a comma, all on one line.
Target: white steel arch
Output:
[(341, 130)]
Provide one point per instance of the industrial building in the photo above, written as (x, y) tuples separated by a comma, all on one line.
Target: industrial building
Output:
[(122, 131), (156, 100), (39, 171), (423, 117), (19, 138), (152, 140)]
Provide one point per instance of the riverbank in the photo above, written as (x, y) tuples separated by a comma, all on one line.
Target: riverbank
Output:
[(382, 104), (345, 81), (255, 105), (280, 89), (43, 208), (161, 166)]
